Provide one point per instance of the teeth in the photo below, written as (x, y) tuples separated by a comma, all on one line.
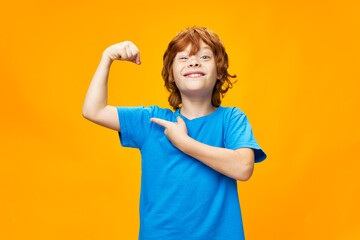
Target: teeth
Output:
[(195, 75)]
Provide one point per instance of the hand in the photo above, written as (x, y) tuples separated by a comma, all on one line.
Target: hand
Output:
[(126, 51), (176, 132)]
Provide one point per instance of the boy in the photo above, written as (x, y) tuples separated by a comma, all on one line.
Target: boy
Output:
[(190, 158)]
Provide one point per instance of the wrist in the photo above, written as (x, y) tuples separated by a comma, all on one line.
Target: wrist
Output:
[(183, 143), (106, 58)]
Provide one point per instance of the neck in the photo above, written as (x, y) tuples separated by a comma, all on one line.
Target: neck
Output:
[(196, 110)]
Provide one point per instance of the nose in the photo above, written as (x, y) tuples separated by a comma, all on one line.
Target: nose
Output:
[(194, 62)]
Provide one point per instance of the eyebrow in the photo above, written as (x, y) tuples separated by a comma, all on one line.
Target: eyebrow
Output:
[(206, 47)]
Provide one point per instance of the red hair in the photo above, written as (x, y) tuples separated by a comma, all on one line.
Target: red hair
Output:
[(193, 35)]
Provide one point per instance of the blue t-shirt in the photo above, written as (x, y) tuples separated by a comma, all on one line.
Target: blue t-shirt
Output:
[(181, 197)]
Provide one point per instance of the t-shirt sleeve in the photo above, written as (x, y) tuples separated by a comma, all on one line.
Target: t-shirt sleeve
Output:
[(239, 134), (134, 125)]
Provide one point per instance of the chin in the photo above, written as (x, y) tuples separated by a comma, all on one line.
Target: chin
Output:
[(194, 90)]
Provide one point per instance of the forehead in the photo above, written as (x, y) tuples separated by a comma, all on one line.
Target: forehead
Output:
[(203, 46)]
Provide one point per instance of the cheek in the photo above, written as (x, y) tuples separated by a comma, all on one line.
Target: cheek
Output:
[(177, 70), (175, 67)]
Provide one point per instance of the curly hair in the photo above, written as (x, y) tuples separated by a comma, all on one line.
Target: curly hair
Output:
[(193, 35)]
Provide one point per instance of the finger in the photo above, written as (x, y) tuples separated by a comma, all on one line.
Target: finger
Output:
[(128, 52), (179, 119), (135, 47), (159, 121), (138, 58), (135, 53)]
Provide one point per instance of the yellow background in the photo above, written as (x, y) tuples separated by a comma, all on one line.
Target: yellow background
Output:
[(297, 65)]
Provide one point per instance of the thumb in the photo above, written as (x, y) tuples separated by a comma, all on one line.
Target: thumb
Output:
[(138, 59), (180, 120)]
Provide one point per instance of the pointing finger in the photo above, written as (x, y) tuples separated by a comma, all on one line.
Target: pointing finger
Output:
[(159, 121)]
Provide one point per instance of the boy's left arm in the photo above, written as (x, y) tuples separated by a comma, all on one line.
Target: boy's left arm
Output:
[(238, 164)]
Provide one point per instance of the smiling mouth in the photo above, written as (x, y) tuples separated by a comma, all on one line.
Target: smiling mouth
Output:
[(194, 76)]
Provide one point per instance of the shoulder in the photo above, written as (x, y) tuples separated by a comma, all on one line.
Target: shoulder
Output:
[(231, 112), (162, 112), (154, 108)]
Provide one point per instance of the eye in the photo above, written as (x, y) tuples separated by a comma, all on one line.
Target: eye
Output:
[(182, 57), (206, 56)]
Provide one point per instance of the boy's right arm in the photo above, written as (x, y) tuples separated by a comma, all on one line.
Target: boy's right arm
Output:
[(95, 106), (106, 117)]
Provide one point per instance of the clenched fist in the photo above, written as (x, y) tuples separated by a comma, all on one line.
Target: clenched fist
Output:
[(126, 51)]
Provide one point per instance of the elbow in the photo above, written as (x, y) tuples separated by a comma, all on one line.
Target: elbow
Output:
[(84, 114), (246, 172), (86, 111), (244, 178)]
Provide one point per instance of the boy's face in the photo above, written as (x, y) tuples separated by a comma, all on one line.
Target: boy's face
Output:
[(203, 61)]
